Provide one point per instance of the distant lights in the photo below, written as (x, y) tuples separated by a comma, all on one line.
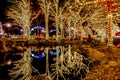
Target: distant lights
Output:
[(52, 30), (32, 29), (9, 62), (43, 31), (38, 57), (8, 25), (42, 54), (21, 30), (54, 52), (38, 27), (32, 55)]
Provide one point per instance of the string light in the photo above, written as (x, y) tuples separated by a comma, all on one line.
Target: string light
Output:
[(38, 57)]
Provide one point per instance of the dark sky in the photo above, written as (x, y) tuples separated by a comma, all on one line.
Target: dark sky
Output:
[(3, 5)]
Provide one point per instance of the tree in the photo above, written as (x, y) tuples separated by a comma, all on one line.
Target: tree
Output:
[(105, 17), (22, 14), (57, 10), (45, 6)]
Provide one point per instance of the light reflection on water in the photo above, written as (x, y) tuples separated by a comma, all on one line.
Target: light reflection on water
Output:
[(59, 62), (54, 63)]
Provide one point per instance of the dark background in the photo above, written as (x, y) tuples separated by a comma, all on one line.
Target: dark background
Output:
[(3, 5)]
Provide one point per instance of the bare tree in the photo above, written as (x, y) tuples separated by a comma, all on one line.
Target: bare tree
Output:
[(45, 6), (104, 18), (22, 14), (76, 14)]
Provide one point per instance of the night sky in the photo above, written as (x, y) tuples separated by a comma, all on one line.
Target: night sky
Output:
[(3, 5)]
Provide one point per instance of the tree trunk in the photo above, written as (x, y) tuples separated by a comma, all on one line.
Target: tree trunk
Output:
[(110, 40), (46, 25), (56, 19)]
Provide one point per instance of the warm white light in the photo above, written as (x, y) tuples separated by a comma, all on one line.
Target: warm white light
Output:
[(72, 28), (9, 62), (8, 25), (43, 31), (110, 15), (21, 30)]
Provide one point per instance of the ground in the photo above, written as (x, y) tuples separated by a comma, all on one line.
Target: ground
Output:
[(107, 61)]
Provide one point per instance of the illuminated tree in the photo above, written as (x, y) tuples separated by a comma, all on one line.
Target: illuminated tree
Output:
[(45, 6), (57, 11), (61, 23), (22, 14), (105, 17), (77, 16)]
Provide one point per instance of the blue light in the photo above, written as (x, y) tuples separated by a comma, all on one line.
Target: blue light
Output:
[(53, 52), (40, 27), (38, 57), (37, 27)]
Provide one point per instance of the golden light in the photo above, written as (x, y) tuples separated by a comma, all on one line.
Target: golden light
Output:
[(8, 25), (109, 15)]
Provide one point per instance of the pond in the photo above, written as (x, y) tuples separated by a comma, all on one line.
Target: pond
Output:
[(41, 63)]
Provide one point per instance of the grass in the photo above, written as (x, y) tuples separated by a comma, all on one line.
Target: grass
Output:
[(107, 67)]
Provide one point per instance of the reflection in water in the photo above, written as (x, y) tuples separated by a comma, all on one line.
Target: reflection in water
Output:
[(59, 63), (49, 63), (22, 69), (37, 52)]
